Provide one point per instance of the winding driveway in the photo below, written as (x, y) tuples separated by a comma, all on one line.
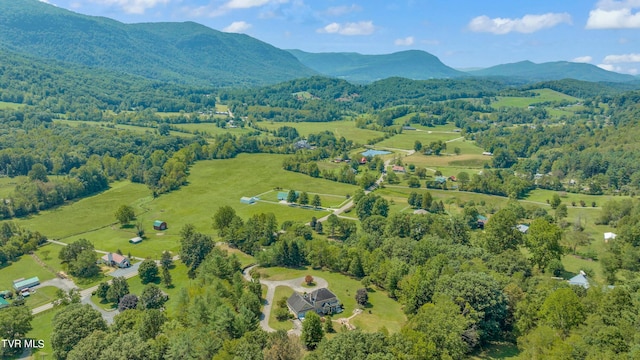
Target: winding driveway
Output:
[(294, 284)]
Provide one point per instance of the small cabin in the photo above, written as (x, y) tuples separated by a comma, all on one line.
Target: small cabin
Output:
[(159, 225)]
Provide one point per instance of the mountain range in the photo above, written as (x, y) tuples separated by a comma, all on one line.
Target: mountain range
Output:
[(191, 53)]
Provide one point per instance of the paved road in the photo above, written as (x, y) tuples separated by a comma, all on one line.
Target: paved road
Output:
[(294, 284)]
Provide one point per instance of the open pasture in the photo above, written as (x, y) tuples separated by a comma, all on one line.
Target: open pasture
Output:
[(344, 128), (523, 102), (406, 140)]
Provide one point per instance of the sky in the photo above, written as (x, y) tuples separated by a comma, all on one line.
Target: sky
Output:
[(462, 33)]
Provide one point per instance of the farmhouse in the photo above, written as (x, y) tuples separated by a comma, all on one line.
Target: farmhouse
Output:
[(3, 303), (398, 169), (159, 225), (118, 260), (135, 240), (322, 301), (21, 284)]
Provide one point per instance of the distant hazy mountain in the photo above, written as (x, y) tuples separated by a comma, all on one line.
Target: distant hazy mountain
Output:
[(412, 64), (180, 52), (553, 71)]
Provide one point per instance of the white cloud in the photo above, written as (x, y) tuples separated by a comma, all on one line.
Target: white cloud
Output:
[(624, 58), (614, 14), (237, 27), (408, 41), (583, 59), (45, 1), (342, 10), (133, 6), (526, 24), (247, 4), (350, 28)]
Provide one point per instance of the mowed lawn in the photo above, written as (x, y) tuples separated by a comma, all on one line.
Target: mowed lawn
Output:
[(42, 327), (407, 139), (281, 291), (382, 311), (344, 128)]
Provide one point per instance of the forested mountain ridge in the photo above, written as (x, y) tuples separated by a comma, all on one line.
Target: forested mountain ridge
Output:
[(176, 52), (553, 71), (359, 68)]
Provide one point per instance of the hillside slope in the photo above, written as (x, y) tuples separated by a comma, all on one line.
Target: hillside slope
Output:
[(557, 70), (179, 52), (411, 64)]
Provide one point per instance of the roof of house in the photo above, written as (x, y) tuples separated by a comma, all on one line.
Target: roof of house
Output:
[(482, 217), (397, 168), (523, 228), (321, 294), (420, 212), (3, 303), (440, 179), (25, 282), (580, 280), (158, 222), (299, 304), (115, 257)]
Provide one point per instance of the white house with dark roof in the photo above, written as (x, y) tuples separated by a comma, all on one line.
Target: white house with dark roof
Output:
[(322, 301)]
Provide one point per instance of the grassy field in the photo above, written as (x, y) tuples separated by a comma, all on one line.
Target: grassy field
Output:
[(211, 129), (523, 102), (407, 139), (382, 311), (347, 129), (245, 259), (281, 291), (10, 106), (132, 128), (7, 184), (42, 327), (25, 267)]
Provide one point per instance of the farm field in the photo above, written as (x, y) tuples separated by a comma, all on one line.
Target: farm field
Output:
[(132, 128), (212, 129), (523, 102), (344, 128), (10, 105), (247, 175), (42, 327), (407, 139), (7, 184), (382, 311)]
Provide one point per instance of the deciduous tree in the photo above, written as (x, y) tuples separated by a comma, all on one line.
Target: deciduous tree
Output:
[(312, 332)]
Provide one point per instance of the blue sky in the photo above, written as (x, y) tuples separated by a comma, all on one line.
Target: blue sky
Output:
[(462, 33)]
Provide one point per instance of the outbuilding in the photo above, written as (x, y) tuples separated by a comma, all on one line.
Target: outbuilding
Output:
[(248, 200), (135, 240), (21, 284), (159, 225), (609, 236), (3, 303)]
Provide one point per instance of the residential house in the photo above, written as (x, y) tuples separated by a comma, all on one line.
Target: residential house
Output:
[(22, 284), (363, 160), (322, 301), (440, 179), (159, 225), (114, 259), (523, 228), (398, 169)]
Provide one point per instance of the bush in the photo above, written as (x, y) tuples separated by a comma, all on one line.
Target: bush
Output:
[(282, 314), (555, 267)]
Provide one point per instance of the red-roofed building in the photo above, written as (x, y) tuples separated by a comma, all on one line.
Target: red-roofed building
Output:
[(114, 259), (363, 160), (398, 168)]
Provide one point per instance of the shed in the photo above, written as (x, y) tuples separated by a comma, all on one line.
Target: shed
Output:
[(420, 212), (580, 280), (135, 240), (3, 303), (248, 200), (609, 236), (523, 228), (440, 179), (20, 284), (159, 225)]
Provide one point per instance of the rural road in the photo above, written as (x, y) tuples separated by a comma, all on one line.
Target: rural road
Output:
[(294, 284)]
